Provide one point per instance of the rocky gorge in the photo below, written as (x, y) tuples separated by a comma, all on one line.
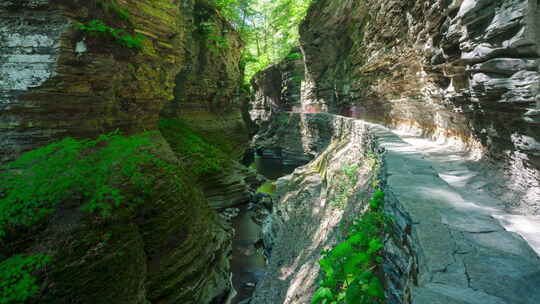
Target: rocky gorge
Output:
[(433, 103)]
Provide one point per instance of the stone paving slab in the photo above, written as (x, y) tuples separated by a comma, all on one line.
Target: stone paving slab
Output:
[(464, 253)]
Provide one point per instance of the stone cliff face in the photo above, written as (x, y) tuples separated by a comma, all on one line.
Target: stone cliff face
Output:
[(444, 244), (57, 81), (277, 88), (459, 70), (465, 73), (306, 217), (207, 92)]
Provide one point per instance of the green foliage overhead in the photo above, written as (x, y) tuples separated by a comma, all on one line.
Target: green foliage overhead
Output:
[(204, 158), (269, 28), (82, 170), (16, 281), (97, 27), (351, 269)]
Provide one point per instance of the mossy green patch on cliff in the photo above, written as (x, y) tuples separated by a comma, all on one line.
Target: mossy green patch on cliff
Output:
[(204, 157), (345, 186), (269, 187), (16, 281), (34, 184), (97, 27)]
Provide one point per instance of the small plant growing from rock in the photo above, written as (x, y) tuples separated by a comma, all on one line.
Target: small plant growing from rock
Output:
[(345, 186), (294, 56), (350, 268), (97, 27)]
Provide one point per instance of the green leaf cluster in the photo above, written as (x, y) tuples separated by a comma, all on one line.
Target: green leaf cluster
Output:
[(294, 56), (88, 171), (269, 29), (345, 186), (16, 281), (204, 158), (350, 268), (97, 27)]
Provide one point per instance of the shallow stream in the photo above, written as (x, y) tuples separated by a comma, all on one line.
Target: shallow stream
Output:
[(248, 262)]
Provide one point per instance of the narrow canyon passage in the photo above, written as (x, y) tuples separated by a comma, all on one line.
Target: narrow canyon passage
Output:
[(242, 152), (248, 263)]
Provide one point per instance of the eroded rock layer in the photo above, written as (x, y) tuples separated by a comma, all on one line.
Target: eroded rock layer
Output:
[(443, 246), (57, 80), (460, 70)]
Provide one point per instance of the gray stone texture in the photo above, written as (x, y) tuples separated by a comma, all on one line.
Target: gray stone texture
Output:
[(446, 244), (466, 70)]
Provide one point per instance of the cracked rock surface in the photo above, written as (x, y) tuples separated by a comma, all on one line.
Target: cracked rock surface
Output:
[(464, 253), (452, 241)]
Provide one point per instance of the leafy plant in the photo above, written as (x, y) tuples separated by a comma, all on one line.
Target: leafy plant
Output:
[(220, 43), (16, 281), (350, 268), (84, 170), (345, 186), (97, 27), (294, 56)]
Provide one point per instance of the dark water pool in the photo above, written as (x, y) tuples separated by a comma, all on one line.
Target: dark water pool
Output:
[(247, 261)]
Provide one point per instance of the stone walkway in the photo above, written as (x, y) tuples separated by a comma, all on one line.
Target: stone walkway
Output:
[(465, 254), (452, 166)]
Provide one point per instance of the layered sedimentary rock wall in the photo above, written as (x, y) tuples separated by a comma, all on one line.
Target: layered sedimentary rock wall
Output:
[(277, 88), (464, 72), (444, 246), (57, 80), (460, 70), (207, 93), (307, 217)]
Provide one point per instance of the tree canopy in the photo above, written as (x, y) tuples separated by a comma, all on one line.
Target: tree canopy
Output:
[(269, 28)]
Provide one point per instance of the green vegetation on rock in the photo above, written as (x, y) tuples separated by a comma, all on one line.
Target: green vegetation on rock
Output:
[(351, 270), (97, 27), (82, 170), (16, 281), (269, 187), (345, 186), (112, 5), (204, 157)]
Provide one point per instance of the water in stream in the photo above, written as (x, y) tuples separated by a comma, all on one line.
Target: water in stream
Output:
[(247, 261)]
